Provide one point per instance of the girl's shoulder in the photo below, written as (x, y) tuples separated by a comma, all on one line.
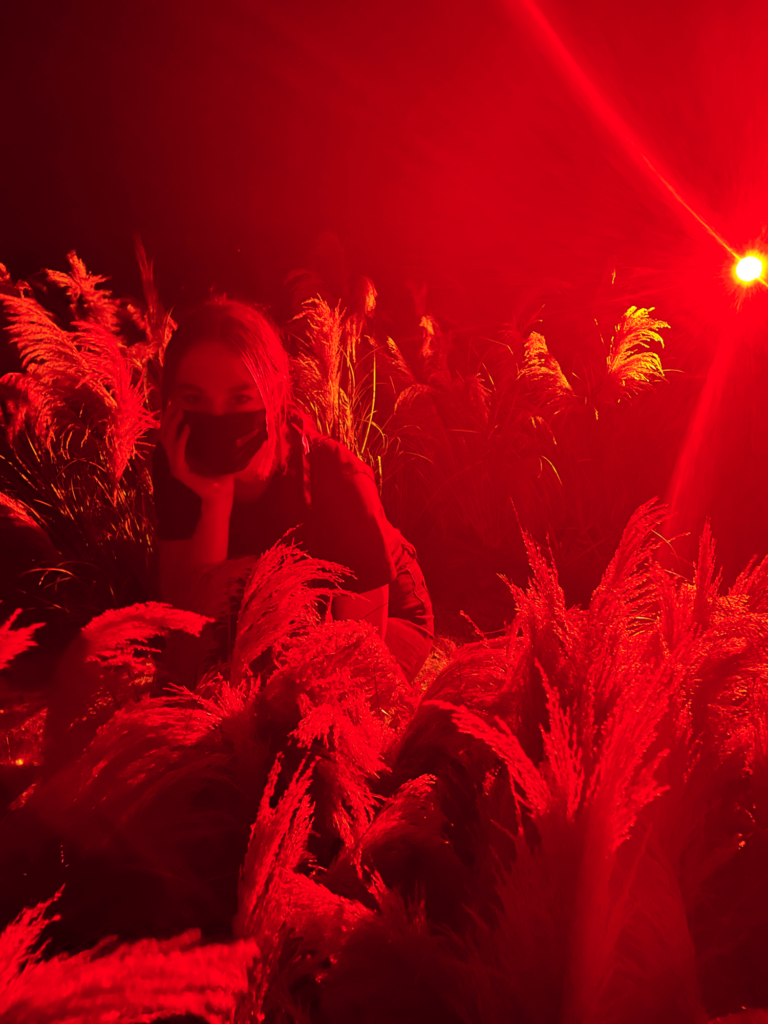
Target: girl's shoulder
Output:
[(326, 455)]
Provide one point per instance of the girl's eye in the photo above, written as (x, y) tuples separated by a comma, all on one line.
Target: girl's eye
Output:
[(190, 400), (243, 399)]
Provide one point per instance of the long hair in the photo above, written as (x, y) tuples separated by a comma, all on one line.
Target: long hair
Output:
[(251, 335)]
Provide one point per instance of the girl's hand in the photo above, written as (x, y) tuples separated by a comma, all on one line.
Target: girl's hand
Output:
[(214, 490)]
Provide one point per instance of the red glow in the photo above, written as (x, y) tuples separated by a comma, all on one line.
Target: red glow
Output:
[(631, 142)]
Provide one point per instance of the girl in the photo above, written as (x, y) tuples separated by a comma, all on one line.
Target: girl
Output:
[(237, 466)]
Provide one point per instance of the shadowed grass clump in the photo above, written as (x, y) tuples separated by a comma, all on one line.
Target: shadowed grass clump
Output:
[(467, 459), (543, 836)]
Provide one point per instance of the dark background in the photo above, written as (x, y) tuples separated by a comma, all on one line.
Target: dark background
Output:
[(437, 138), (438, 141)]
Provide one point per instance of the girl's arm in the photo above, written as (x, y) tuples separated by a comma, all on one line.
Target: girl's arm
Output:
[(183, 561), (371, 606)]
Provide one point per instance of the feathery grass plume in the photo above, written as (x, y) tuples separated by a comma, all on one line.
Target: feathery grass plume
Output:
[(575, 797), (88, 300), (333, 655), (296, 921), (101, 538), (278, 843), (129, 799), (259, 603), (628, 586), (14, 641), (46, 402), (133, 983), (555, 894), (17, 511), (559, 894), (280, 596), (400, 370), (485, 677), (342, 719), (118, 637), (73, 453), (319, 370), (751, 586), (716, 645), (156, 327), (144, 748), (631, 365), (711, 828), (542, 380), (622, 693), (138, 785), (336, 693), (108, 665), (335, 375), (19, 939), (442, 653), (713, 649), (82, 384), (409, 813), (534, 791), (153, 818)]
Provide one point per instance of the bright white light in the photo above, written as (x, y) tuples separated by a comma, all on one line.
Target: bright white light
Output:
[(749, 269)]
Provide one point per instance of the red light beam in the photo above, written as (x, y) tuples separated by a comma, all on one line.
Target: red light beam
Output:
[(618, 127)]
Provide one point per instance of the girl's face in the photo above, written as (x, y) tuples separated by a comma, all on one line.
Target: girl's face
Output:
[(212, 378)]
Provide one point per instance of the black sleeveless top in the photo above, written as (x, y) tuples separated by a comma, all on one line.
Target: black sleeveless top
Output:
[(330, 499)]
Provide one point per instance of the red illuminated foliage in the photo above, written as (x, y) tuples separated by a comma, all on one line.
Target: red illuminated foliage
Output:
[(631, 365), (567, 825), (335, 374), (559, 808), (133, 983), (78, 386), (73, 456), (14, 641)]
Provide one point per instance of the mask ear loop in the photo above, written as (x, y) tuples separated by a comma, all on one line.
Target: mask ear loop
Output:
[(298, 433), (273, 428), (305, 470), (298, 448), (305, 480)]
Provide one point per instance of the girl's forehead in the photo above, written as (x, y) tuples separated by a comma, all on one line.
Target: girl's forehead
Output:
[(210, 363)]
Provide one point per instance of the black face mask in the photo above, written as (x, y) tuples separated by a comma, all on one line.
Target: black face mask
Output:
[(226, 443)]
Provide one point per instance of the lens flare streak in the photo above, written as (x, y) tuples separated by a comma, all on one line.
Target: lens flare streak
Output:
[(618, 127)]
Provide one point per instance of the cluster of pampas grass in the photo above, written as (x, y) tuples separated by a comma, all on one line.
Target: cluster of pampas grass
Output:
[(464, 460), (335, 373), (134, 983), (467, 461), (245, 813), (546, 832), (74, 475)]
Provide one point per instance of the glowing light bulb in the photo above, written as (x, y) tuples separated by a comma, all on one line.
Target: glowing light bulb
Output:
[(749, 269)]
